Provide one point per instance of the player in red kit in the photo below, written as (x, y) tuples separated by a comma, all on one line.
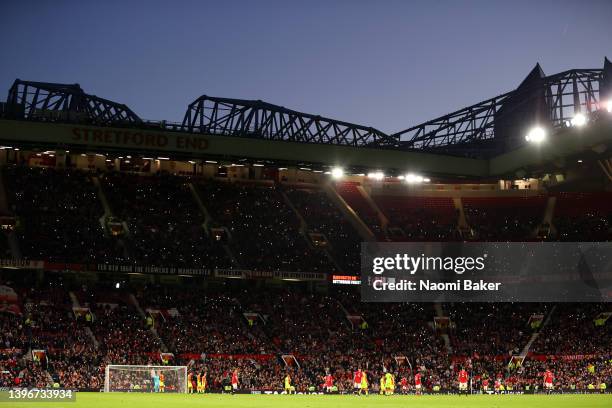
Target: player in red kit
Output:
[(498, 384), (463, 381), (548, 381), (485, 385), (329, 382), (234, 381), (417, 383), (357, 381), (404, 384)]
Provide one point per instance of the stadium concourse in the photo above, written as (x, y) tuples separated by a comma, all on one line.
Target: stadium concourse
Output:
[(133, 268)]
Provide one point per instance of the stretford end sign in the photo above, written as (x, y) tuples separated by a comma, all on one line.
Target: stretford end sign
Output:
[(55, 135), (139, 139)]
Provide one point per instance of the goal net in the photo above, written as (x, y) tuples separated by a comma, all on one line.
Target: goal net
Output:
[(145, 378)]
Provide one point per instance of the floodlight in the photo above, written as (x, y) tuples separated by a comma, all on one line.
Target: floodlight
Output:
[(413, 178), (579, 120), (377, 175), (409, 178), (536, 135), (337, 173)]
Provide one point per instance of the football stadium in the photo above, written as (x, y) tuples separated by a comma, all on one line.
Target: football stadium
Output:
[(250, 254)]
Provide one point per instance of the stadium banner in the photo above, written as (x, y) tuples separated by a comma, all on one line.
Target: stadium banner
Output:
[(21, 264), (148, 269), (486, 272), (257, 357), (565, 357), (249, 274), (166, 270), (10, 351), (241, 274), (300, 276)]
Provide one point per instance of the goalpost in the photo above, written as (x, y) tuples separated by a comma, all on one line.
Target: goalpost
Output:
[(139, 378)]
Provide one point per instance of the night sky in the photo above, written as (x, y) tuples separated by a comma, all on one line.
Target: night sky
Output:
[(386, 64)]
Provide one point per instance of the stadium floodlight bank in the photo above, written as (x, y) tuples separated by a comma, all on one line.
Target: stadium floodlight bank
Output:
[(142, 378)]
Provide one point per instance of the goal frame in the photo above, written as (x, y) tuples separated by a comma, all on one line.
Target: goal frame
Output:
[(148, 367)]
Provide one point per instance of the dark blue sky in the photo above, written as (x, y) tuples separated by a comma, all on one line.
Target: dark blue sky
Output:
[(387, 64)]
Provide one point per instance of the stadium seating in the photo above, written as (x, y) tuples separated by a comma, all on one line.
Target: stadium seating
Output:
[(420, 218), (314, 328), (349, 191), (504, 218), (322, 216), (232, 326), (571, 330), (265, 232), (583, 216), (164, 222), (59, 212), (490, 329)]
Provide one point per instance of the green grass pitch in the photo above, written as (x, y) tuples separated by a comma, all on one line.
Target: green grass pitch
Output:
[(135, 400)]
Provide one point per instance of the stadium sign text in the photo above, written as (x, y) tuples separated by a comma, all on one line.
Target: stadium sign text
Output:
[(138, 139), (148, 138)]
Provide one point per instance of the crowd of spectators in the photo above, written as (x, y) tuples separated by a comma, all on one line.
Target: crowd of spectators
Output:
[(164, 222), (122, 332), (264, 231), (420, 218), (58, 212), (491, 328), (327, 331), (569, 374), (211, 332), (351, 194), (504, 218), (323, 216), (205, 322), (572, 330), (583, 217)]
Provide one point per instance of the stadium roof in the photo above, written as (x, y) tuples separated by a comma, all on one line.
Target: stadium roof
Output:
[(65, 102), (254, 129), (477, 130), (245, 118)]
